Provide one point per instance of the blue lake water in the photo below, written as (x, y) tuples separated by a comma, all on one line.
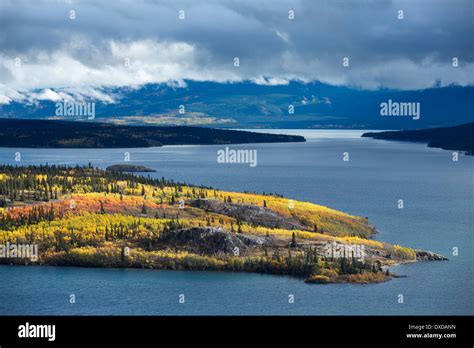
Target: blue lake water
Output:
[(438, 197)]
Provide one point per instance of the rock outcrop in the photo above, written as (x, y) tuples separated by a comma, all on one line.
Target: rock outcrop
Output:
[(423, 255), (212, 240), (249, 213)]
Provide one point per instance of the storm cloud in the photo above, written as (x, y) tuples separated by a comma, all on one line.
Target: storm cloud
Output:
[(44, 53)]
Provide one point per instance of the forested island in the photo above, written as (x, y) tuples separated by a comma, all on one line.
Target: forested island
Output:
[(129, 168), (459, 138), (85, 216), (70, 134)]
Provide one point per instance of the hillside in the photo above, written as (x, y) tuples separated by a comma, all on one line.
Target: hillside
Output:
[(64, 134), (248, 105), (84, 216), (460, 138)]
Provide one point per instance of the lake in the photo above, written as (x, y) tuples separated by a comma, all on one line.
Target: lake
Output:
[(438, 197)]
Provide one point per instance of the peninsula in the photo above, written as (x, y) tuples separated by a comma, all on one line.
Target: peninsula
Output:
[(85, 216), (71, 134), (458, 138)]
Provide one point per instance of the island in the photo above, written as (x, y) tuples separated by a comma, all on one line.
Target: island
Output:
[(89, 217), (129, 168), (93, 134), (458, 138)]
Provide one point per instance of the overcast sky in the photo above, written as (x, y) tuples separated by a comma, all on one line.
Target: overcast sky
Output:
[(90, 52)]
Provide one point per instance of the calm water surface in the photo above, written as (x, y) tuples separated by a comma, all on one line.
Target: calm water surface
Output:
[(438, 211)]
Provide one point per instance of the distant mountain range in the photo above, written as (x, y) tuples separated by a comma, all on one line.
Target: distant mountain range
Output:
[(247, 105), (449, 138)]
